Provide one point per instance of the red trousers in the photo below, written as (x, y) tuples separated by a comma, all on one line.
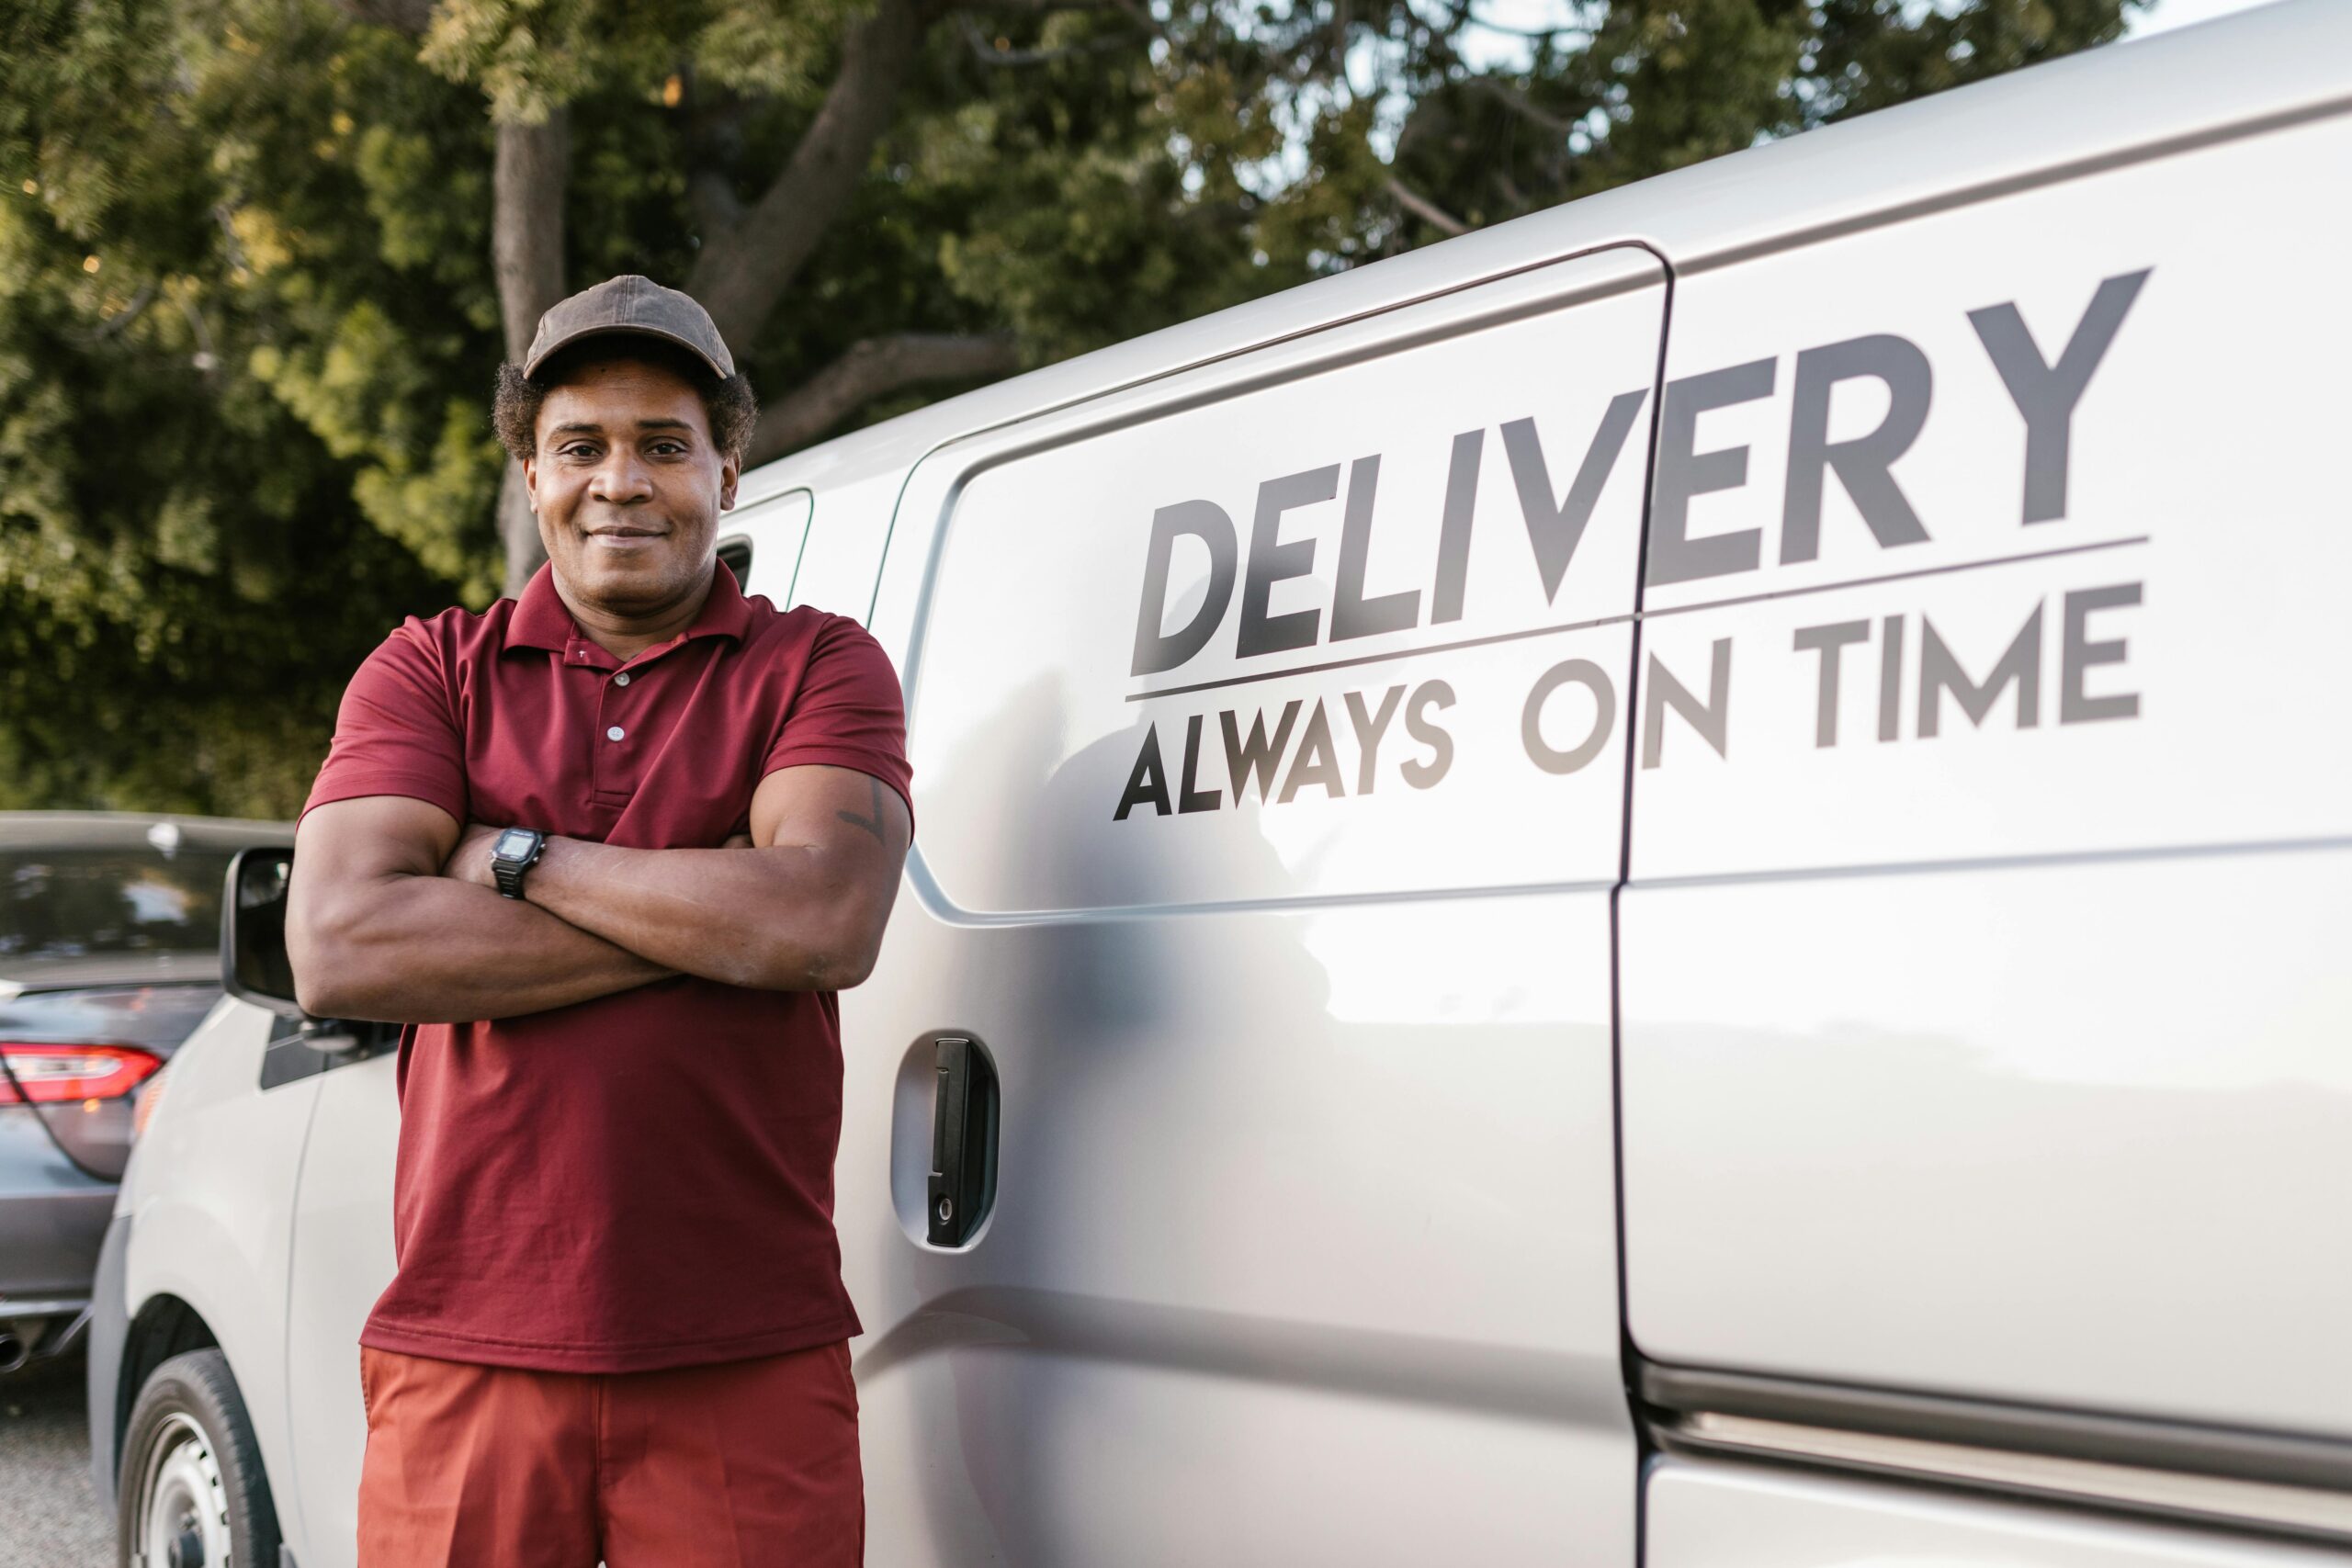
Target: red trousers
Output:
[(737, 1464)]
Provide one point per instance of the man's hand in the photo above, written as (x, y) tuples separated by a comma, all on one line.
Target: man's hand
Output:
[(387, 916), (469, 861), (376, 931)]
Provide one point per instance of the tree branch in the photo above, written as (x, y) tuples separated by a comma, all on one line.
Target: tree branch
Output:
[(226, 217), (1474, 19), (746, 266), (988, 54), (866, 371), (1519, 103), (739, 276), (128, 314), (206, 361), (1425, 210), (1044, 7)]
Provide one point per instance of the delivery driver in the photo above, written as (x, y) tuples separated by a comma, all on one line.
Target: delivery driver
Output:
[(609, 850)]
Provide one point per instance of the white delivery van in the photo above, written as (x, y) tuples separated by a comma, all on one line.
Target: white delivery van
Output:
[(1669, 885)]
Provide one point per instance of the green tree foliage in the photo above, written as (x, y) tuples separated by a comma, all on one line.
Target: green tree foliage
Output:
[(188, 563), (249, 307)]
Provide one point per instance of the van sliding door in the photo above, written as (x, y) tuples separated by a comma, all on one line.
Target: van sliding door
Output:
[(1983, 976), (1268, 723)]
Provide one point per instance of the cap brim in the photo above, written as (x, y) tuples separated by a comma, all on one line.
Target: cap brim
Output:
[(545, 352)]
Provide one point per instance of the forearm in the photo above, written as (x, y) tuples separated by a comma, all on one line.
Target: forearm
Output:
[(417, 949), (782, 917)]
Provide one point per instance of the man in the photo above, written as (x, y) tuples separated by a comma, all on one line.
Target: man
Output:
[(609, 850)]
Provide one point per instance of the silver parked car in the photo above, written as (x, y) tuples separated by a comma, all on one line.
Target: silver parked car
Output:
[(109, 955)]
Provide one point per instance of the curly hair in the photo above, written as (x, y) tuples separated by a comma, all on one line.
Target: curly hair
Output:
[(514, 408)]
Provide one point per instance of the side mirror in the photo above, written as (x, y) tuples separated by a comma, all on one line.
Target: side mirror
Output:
[(254, 965)]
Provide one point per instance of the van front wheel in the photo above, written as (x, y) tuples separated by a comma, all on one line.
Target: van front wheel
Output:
[(192, 1491)]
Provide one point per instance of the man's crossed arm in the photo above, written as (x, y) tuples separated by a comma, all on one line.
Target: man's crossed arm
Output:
[(393, 914)]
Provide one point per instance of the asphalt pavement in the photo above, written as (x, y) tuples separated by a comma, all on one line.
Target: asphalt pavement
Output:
[(48, 1514)]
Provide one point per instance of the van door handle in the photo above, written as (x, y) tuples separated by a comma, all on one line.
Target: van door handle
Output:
[(963, 1139)]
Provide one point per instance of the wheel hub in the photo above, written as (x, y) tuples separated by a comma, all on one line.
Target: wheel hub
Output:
[(183, 1506)]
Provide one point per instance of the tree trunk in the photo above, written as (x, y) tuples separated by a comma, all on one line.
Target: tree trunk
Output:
[(526, 247)]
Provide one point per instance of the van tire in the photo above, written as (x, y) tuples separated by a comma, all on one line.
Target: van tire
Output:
[(189, 1449)]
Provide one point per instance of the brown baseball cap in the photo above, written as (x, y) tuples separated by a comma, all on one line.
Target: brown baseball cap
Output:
[(630, 303)]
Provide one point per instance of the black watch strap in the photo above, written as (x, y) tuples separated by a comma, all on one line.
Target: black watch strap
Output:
[(511, 857)]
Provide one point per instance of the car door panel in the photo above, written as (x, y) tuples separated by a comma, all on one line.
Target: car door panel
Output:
[(341, 1260)]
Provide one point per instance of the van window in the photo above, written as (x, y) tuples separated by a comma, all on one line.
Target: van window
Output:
[(737, 553), (762, 543)]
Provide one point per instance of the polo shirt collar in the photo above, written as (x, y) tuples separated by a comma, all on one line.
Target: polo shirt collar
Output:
[(726, 613), (541, 620)]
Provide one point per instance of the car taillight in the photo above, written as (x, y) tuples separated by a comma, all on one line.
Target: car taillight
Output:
[(142, 1109), (50, 1075)]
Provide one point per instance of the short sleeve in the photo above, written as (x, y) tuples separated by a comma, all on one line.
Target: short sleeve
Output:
[(849, 712), (395, 732)]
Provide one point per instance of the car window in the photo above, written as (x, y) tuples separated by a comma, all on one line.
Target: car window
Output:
[(69, 903)]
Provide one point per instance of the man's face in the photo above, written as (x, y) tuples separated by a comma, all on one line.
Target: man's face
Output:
[(627, 485)]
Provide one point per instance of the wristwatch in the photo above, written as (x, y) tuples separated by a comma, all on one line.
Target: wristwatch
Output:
[(516, 850)]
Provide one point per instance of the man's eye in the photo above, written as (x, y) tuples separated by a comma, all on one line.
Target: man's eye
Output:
[(669, 447)]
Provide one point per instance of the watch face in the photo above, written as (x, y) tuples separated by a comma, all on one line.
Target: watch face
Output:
[(514, 843)]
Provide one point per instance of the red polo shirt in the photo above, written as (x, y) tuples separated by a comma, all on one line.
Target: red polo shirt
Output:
[(644, 1180)]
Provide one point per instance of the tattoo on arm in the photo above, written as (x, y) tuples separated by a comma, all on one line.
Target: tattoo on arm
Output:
[(870, 824)]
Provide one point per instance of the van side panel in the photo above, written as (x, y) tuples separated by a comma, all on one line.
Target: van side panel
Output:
[(1983, 991), (835, 565), (1292, 963), (2061, 1133)]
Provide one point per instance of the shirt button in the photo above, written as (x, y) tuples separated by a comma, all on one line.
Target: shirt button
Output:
[(614, 733), (621, 680)]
